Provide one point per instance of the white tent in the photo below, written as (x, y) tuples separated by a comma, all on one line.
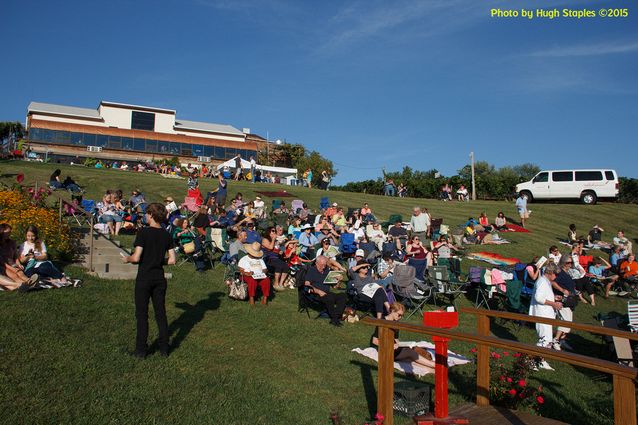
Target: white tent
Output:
[(231, 164)]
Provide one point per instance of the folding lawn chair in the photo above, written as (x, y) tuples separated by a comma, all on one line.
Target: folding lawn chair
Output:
[(276, 203), (632, 315), (347, 246), (296, 205), (324, 203), (190, 205), (439, 278), (404, 287)]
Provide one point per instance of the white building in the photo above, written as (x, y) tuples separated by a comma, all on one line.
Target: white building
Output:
[(118, 131)]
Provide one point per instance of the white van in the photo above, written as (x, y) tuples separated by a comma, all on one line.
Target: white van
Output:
[(586, 185)]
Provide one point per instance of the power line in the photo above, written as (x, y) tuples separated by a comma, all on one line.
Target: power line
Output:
[(358, 168)]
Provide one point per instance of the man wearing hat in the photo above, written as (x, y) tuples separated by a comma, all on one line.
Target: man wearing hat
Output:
[(308, 241), (253, 270), (328, 233)]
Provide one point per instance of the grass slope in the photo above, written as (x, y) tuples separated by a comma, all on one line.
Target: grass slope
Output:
[(65, 353)]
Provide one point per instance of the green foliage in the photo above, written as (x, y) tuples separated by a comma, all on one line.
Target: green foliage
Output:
[(8, 127), (628, 190), (296, 156), (90, 162)]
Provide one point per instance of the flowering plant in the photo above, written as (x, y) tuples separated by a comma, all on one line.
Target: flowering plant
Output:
[(22, 207), (509, 384)]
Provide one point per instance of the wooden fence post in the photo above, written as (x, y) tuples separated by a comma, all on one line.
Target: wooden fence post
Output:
[(483, 364), (385, 392), (624, 401)]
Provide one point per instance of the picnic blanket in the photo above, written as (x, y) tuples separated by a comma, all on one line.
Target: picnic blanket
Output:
[(276, 194), (453, 359), (515, 228), (493, 258)]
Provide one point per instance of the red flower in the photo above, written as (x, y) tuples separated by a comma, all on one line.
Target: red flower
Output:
[(509, 379), (521, 383), (20, 178), (496, 355), (502, 378), (506, 353), (517, 355), (473, 350), (512, 391), (540, 400)]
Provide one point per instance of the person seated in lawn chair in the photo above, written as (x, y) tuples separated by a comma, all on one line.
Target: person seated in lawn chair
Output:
[(399, 235), (308, 241), (331, 252), (253, 270), (314, 282), (376, 235), (186, 239), (109, 214), (629, 272), (385, 269), (367, 289), (278, 267), (366, 214)]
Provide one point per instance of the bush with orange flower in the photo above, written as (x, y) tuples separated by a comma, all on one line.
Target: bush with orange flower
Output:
[(23, 207)]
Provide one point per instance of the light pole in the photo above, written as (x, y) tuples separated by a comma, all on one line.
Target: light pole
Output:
[(473, 182)]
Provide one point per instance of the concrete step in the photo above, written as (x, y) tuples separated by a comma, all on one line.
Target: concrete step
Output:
[(123, 275)]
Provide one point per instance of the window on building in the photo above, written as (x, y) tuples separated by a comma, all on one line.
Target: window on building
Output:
[(220, 153), (198, 150), (102, 140), (151, 146), (163, 147), (142, 121), (115, 142), (209, 151), (187, 149), (128, 144), (139, 145), (89, 139), (175, 148), (77, 138), (34, 134)]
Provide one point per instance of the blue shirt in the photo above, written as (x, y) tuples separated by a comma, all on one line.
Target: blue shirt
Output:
[(307, 240), (521, 204)]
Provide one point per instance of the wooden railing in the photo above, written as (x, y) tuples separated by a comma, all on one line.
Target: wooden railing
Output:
[(623, 376)]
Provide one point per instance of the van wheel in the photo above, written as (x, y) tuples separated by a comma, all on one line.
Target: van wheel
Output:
[(527, 195), (588, 198)]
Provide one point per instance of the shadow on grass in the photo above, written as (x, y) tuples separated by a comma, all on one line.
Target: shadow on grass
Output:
[(192, 315)]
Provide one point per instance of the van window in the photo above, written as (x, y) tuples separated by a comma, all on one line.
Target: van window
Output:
[(609, 175), (541, 178), (562, 176), (584, 176)]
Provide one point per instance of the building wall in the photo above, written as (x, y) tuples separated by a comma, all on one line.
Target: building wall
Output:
[(67, 120)]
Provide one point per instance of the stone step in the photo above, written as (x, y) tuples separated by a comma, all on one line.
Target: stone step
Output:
[(123, 274)]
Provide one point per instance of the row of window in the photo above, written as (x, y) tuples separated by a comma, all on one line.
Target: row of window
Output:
[(135, 144), (569, 176)]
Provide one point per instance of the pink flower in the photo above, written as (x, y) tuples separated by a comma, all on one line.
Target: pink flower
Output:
[(502, 378), (521, 383), (20, 178), (495, 355), (509, 379), (512, 391), (473, 350), (540, 400)]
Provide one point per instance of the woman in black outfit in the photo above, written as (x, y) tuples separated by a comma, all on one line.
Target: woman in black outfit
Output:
[(151, 245)]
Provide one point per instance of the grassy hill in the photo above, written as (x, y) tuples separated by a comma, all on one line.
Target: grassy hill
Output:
[(65, 353)]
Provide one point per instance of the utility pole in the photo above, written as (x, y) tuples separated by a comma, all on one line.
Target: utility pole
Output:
[(473, 182)]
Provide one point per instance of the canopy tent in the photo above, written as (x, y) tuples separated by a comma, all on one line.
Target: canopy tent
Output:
[(264, 168)]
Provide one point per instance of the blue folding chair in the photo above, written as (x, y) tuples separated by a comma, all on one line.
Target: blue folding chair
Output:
[(347, 246), (324, 203)]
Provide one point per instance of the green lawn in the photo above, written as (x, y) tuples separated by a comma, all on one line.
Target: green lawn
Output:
[(65, 353)]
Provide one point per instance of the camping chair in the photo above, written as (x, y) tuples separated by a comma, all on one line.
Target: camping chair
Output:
[(190, 205), (621, 346), (393, 219), (296, 205), (405, 289), (276, 203), (476, 278), (632, 315), (347, 245), (439, 278), (324, 203)]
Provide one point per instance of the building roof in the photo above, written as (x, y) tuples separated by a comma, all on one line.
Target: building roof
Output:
[(72, 111), (207, 127), (130, 106)]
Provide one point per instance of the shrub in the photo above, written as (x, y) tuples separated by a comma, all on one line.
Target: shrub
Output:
[(23, 207)]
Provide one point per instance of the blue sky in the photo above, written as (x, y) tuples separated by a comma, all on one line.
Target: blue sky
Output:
[(369, 84)]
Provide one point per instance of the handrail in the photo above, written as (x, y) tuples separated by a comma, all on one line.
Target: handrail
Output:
[(623, 376), (91, 218), (600, 330)]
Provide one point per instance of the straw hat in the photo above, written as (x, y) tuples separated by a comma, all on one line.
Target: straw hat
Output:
[(254, 249)]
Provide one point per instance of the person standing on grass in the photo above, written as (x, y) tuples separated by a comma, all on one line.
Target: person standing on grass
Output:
[(521, 207), (152, 243)]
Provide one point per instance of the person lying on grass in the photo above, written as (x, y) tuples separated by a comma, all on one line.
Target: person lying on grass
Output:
[(417, 355)]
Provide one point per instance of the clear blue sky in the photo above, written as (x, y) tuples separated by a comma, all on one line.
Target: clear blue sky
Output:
[(366, 83)]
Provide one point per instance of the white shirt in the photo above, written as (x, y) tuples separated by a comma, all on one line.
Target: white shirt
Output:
[(28, 246), (542, 292), (420, 223), (249, 264)]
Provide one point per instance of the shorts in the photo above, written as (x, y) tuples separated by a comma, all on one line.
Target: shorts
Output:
[(524, 214)]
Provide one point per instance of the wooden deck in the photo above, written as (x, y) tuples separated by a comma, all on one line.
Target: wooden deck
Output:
[(491, 415)]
